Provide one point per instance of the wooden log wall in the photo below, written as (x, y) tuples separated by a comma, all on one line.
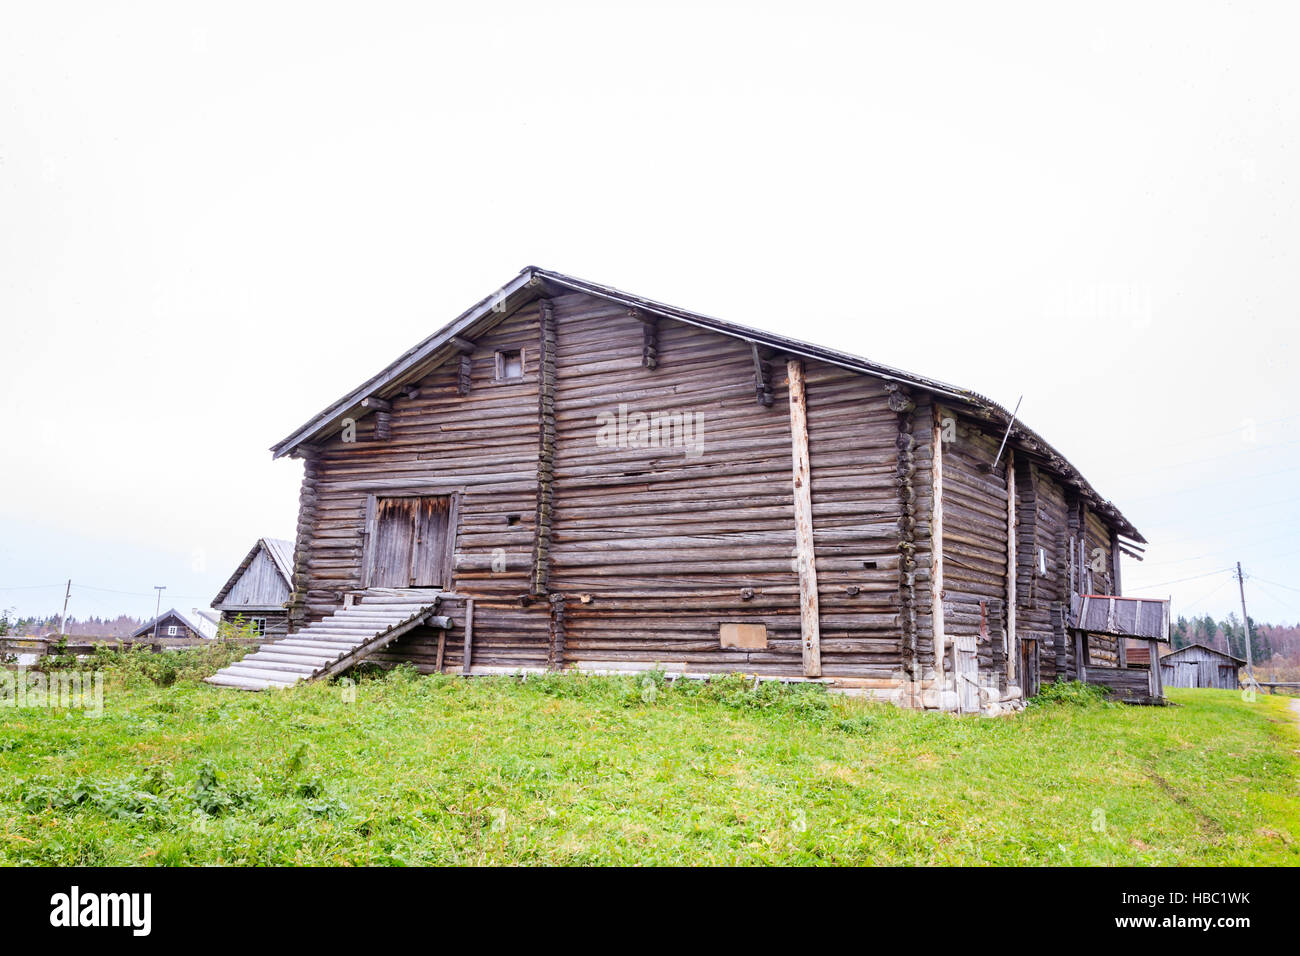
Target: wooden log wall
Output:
[(666, 541), (974, 536), (277, 622), (857, 491), (482, 446), (585, 540)]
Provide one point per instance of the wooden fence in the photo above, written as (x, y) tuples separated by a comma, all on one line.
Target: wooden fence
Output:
[(81, 646)]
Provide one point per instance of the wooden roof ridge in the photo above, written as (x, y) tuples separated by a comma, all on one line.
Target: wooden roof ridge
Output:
[(281, 553), (533, 281)]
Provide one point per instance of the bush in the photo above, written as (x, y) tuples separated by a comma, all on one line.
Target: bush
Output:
[(1072, 694)]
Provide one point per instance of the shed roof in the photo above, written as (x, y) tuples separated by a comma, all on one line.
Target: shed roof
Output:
[(533, 282), (1205, 647), (1120, 616)]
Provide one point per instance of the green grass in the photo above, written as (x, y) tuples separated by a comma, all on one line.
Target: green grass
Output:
[(572, 770)]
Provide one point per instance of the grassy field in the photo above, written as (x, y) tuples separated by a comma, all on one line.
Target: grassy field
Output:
[(570, 770)]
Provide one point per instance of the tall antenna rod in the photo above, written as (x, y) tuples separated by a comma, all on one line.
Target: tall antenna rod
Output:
[(1008, 433)]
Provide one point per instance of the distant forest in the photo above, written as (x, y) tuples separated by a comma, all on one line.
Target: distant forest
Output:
[(120, 626), (1268, 641)]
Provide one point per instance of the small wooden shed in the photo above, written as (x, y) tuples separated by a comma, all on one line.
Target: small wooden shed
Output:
[(1199, 665), (256, 593), (173, 626)]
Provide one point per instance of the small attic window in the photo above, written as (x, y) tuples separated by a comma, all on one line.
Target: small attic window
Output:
[(510, 364)]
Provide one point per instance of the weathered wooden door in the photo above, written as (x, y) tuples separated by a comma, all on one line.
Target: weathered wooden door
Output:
[(966, 670), (1029, 666), (410, 545)]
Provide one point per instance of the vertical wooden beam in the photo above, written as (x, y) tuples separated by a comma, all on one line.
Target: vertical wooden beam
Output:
[(1013, 644), (541, 576), (805, 553), (936, 548), (468, 656), (1154, 683), (902, 405)]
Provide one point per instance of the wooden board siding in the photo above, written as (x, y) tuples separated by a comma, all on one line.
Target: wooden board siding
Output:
[(1197, 666), (261, 585)]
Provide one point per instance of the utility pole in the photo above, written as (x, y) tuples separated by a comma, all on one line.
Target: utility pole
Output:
[(158, 610), (63, 620), (1245, 623)]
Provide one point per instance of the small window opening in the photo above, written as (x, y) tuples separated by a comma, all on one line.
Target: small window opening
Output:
[(510, 364), (870, 565), (171, 630), (257, 626), (512, 520), (1042, 562)]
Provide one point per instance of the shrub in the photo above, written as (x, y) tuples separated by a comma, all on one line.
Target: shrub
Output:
[(1071, 694)]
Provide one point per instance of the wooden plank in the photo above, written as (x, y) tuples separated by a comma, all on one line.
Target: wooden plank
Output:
[(936, 547), (805, 555), (1013, 652), (468, 656)]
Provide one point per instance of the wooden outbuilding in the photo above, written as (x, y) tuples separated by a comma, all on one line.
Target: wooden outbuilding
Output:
[(257, 592), (1199, 665), (175, 626), (568, 476)]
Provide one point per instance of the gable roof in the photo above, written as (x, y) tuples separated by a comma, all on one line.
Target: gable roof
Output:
[(200, 626), (533, 282), (280, 552), (1204, 647)]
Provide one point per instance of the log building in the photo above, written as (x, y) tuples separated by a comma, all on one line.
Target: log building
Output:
[(580, 478), (256, 593)]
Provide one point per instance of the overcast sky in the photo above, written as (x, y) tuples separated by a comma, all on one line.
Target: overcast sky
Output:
[(212, 224)]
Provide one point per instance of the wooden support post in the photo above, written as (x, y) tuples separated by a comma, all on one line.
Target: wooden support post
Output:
[(442, 648), (805, 553), (468, 656), (1013, 645), (1154, 684), (936, 548)]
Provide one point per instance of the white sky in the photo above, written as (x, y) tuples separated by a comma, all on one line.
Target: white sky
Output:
[(213, 224)]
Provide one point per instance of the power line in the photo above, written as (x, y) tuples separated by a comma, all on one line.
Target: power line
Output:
[(1200, 461), (1256, 577), (1194, 577)]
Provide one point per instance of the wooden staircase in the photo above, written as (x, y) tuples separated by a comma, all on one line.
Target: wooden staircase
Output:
[(333, 644)]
